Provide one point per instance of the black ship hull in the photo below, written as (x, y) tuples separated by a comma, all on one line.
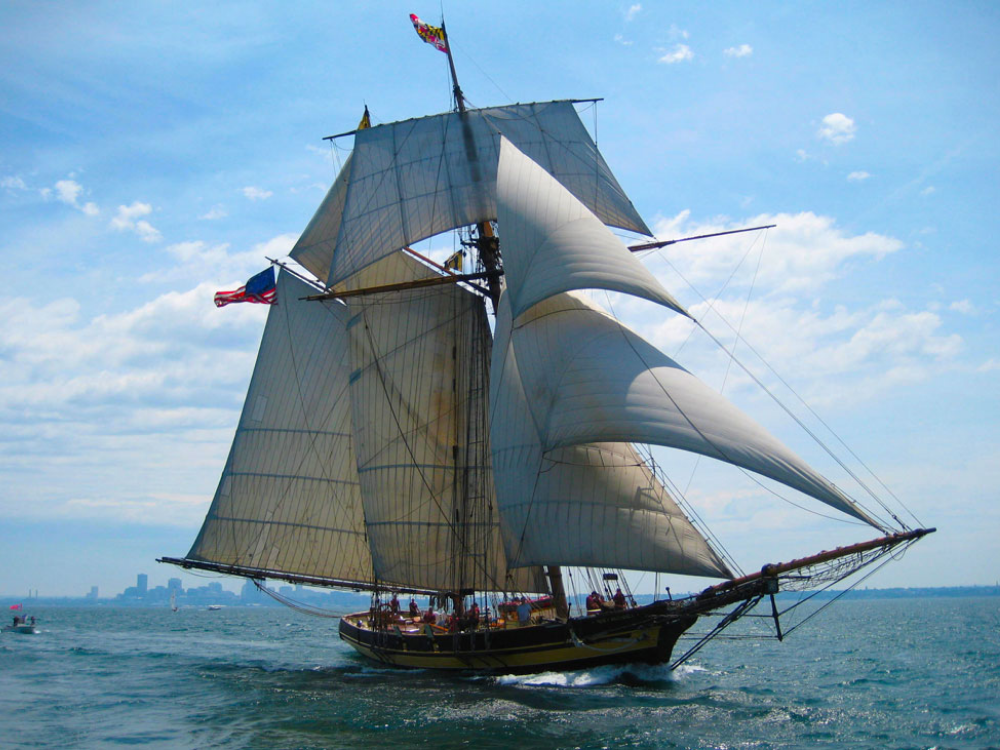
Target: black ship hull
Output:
[(644, 634)]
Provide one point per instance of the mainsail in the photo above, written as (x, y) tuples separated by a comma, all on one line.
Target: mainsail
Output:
[(418, 386), (289, 501), (409, 180)]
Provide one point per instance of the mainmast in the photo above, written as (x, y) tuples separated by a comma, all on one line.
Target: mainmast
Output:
[(485, 241), (488, 245)]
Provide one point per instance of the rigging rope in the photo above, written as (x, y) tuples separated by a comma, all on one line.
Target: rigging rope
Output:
[(774, 372)]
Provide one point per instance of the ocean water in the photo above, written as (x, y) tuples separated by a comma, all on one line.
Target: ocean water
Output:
[(917, 673)]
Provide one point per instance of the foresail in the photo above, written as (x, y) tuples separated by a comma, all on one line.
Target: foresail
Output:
[(553, 243), (289, 500), (418, 389), (592, 504), (587, 378), (413, 179)]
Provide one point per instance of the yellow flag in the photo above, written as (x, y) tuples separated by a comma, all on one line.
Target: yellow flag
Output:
[(454, 262), (366, 120)]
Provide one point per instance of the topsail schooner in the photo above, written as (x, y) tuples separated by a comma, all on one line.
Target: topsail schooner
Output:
[(390, 442)]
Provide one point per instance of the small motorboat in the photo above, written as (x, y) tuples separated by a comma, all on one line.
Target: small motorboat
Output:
[(21, 625)]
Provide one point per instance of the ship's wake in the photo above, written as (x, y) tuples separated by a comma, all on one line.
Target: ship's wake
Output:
[(633, 675)]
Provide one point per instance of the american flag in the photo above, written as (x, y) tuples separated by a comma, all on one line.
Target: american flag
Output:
[(260, 289)]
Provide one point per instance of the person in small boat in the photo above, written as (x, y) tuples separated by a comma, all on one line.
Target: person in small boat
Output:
[(619, 599), (414, 609), (32, 621)]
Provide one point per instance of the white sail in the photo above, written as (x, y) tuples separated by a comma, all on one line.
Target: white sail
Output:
[(553, 243), (310, 250), (413, 179), (587, 378), (592, 504), (289, 500), (418, 390)]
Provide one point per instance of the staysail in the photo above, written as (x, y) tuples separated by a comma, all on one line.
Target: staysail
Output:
[(289, 501), (588, 378), (410, 180), (553, 243), (419, 384), (566, 374), (586, 504)]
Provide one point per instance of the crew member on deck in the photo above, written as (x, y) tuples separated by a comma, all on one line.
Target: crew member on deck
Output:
[(524, 612), (429, 615), (619, 599), (394, 605), (414, 609)]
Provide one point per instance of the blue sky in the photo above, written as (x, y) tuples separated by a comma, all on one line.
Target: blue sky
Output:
[(153, 153)]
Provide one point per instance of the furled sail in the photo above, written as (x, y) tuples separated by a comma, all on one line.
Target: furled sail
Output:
[(553, 243), (419, 386), (588, 378), (590, 504), (410, 180), (289, 500)]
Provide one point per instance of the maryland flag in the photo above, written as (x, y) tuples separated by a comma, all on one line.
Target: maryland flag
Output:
[(430, 34), (454, 263)]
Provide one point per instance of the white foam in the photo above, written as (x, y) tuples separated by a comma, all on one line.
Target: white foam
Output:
[(597, 676)]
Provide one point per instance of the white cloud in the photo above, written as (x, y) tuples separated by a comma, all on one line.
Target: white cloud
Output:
[(128, 220), (801, 155), (928, 190), (632, 12), (846, 356), (962, 306), (679, 53), (622, 41), (69, 192), (256, 193), (198, 261), (216, 212), (837, 128), (12, 182), (858, 176), (744, 50), (675, 32), (990, 365), (804, 251)]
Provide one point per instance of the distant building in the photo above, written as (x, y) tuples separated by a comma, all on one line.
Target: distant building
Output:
[(142, 582), (250, 594), (93, 594), (174, 586)]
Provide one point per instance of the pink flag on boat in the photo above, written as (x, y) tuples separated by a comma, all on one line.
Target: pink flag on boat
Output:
[(15, 606)]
